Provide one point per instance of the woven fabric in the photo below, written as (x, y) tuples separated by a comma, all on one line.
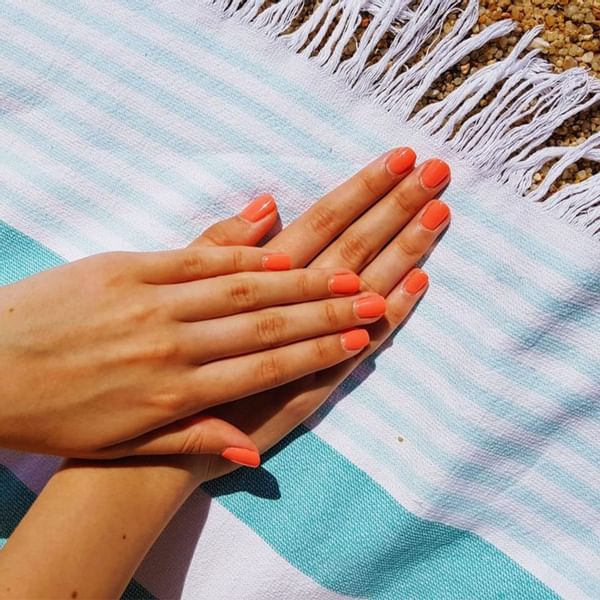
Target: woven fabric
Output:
[(133, 125)]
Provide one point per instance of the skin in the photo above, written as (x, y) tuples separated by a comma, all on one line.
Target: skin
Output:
[(87, 508), (102, 351)]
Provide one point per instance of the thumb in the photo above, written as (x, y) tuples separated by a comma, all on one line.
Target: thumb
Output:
[(194, 435), (245, 229)]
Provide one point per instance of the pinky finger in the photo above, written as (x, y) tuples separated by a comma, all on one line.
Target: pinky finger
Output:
[(193, 435)]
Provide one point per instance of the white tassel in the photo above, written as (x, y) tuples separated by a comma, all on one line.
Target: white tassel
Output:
[(502, 139)]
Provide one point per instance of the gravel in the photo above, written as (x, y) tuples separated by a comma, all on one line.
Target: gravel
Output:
[(571, 38)]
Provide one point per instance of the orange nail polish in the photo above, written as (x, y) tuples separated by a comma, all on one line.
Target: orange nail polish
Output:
[(258, 208), (435, 173), (401, 161), (277, 262), (242, 456), (415, 281), (355, 339), (434, 215), (344, 283), (369, 307)]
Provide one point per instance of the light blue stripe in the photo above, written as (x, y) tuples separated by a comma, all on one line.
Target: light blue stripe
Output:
[(39, 215), (350, 129), (551, 343), (518, 455), (365, 527), (193, 113)]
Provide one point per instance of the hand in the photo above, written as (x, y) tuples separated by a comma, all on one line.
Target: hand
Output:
[(99, 353), (379, 223)]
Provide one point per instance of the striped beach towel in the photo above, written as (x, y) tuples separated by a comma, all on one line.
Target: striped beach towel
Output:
[(462, 461)]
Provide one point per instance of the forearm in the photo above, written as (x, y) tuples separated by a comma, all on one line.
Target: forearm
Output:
[(91, 526)]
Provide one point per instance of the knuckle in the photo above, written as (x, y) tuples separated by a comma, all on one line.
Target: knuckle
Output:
[(322, 351), (271, 371), (168, 403), (193, 442), (192, 263), (409, 247), (304, 285), (322, 218), (270, 329), (113, 268), (163, 350), (355, 248), (404, 201), (216, 235), (244, 294), (237, 260), (332, 317), (368, 183)]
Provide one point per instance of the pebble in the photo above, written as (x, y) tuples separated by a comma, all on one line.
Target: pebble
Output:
[(571, 38)]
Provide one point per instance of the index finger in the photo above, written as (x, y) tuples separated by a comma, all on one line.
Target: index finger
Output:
[(310, 233)]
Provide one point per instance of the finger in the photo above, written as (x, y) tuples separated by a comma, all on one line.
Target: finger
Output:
[(324, 221), (274, 327), (245, 229), (194, 435), (194, 263), (407, 248), (232, 294), (269, 418), (271, 368), (363, 240)]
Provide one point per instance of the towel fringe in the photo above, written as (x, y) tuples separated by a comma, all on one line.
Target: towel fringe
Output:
[(497, 120)]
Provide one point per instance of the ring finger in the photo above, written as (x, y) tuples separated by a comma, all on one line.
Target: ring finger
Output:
[(269, 328)]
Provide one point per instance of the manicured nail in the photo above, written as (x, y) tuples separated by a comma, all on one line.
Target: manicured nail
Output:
[(369, 307), (356, 339), (434, 214), (242, 456), (401, 161), (258, 208), (415, 281), (277, 262), (435, 173), (344, 283)]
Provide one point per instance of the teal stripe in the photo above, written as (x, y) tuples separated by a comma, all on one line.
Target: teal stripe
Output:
[(333, 523), (16, 498), (21, 256), (459, 503), (336, 524)]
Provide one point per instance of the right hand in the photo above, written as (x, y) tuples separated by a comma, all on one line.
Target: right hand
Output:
[(99, 352)]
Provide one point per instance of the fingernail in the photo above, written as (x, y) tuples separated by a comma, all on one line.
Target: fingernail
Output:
[(355, 339), (401, 160), (435, 173), (370, 307), (277, 262), (344, 283), (434, 214), (258, 208), (415, 281), (242, 456)]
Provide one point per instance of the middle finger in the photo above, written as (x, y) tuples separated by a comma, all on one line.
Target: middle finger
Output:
[(363, 240)]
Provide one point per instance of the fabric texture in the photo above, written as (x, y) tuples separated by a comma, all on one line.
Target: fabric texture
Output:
[(132, 125)]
